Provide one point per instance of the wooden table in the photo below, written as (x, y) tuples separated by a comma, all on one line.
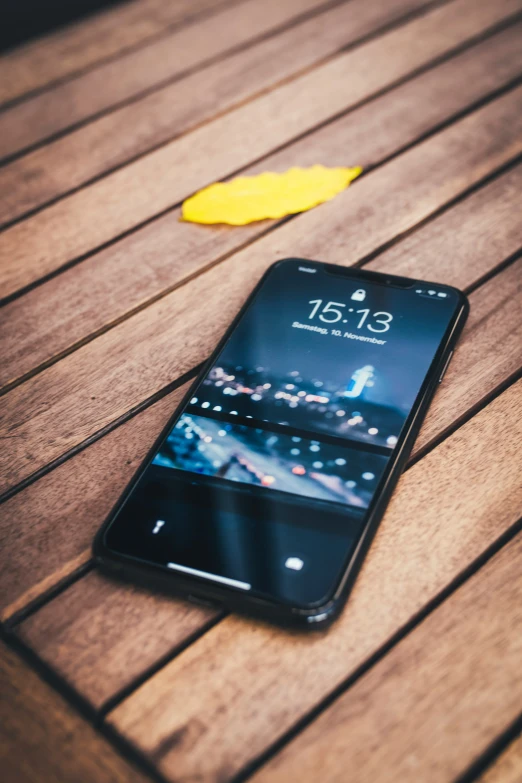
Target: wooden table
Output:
[(110, 306)]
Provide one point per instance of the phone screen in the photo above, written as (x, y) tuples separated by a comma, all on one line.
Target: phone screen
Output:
[(267, 474)]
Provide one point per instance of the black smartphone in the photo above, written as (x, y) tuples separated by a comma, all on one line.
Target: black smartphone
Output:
[(267, 485)]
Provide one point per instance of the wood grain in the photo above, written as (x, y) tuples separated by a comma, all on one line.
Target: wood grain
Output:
[(101, 635), (438, 699), (170, 110), (52, 318), (78, 495), (88, 390), (256, 682), (507, 768), (435, 703), (43, 739), (41, 548), (489, 352), (467, 239), (98, 213), (79, 46)]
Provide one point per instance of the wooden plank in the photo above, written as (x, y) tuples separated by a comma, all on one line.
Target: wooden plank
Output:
[(43, 738), (56, 631), (460, 245), (78, 494), (168, 111), (42, 549), (118, 280), (98, 620), (489, 353), (97, 214), (53, 318), (434, 703), (90, 389), (228, 697), (79, 46), (507, 768)]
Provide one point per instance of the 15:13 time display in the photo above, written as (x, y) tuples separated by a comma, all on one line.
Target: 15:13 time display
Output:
[(330, 314)]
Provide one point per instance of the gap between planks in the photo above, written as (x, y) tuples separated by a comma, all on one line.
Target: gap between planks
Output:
[(502, 764), (424, 693), (17, 177), (230, 647), (129, 415), (439, 423), (196, 335), (38, 723), (478, 546), (268, 30), (28, 350), (46, 296), (425, 245), (51, 586), (485, 556), (127, 134), (58, 48), (252, 132)]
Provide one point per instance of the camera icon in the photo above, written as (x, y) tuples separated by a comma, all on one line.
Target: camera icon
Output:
[(294, 563)]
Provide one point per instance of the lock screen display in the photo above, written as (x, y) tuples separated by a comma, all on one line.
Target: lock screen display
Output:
[(265, 478)]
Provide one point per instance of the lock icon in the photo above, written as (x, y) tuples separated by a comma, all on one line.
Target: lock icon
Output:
[(359, 295)]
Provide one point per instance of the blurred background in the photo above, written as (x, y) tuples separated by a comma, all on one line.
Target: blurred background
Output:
[(22, 20)]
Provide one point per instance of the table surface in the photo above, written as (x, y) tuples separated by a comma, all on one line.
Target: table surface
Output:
[(110, 305)]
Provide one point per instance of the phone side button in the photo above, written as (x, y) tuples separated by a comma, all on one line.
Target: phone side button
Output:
[(443, 373)]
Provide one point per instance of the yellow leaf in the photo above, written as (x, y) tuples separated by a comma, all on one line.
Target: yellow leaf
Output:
[(269, 195)]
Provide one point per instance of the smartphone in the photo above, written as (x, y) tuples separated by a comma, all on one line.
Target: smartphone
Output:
[(264, 490)]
